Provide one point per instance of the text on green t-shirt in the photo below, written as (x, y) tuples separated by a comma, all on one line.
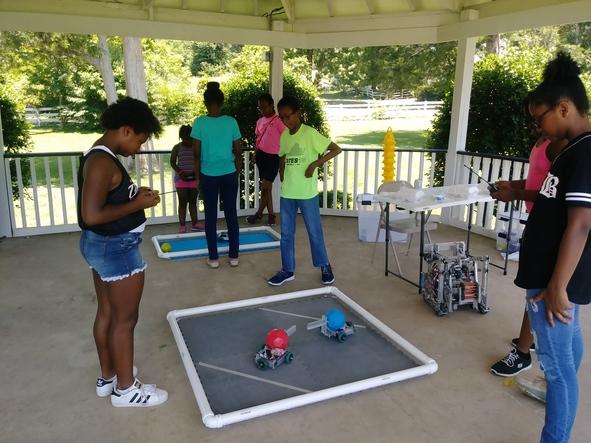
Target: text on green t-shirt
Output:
[(301, 149)]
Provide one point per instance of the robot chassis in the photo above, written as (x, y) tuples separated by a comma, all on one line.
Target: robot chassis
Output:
[(270, 358), (341, 334), (454, 279)]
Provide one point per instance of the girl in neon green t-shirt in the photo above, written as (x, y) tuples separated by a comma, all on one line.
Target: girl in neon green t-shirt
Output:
[(302, 151)]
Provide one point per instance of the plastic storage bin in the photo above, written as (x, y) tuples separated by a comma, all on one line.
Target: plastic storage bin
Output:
[(502, 228)]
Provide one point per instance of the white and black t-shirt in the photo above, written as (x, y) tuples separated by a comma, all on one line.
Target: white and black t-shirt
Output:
[(568, 184)]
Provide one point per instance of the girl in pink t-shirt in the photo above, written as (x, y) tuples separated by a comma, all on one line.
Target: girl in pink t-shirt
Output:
[(540, 160), (268, 131)]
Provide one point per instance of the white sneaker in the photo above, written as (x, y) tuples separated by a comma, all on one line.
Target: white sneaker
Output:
[(213, 264), (234, 262), (105, 387), (138, 395)]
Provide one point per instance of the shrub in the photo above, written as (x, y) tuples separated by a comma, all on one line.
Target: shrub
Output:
[(340, 200), (497, 123), (15, 132), (242, 92)]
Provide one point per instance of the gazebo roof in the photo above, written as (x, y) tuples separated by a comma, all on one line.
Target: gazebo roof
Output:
[(292, 23)]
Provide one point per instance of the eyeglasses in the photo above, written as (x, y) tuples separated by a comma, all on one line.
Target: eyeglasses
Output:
[(286, 117), (536, 123)]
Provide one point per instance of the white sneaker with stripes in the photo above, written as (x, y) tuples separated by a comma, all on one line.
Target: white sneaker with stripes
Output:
[(138, 395), (105, 387)]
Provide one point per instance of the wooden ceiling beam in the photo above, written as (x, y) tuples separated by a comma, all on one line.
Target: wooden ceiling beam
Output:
[(371, 6), (411, 5), (289, 8), (330, 7)]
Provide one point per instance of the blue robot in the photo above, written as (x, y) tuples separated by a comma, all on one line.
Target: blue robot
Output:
[(333, 325)]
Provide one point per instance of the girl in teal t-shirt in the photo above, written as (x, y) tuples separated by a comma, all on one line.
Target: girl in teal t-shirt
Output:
[(218, 159), (302, 151)]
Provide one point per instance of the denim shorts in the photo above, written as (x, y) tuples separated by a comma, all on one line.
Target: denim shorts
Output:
[(112, 257)]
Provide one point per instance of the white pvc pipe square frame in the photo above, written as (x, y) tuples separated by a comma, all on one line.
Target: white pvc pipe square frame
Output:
[(426, 364), (221, 249)]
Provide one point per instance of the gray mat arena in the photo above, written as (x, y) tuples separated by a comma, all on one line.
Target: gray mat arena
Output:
[(228, 340)]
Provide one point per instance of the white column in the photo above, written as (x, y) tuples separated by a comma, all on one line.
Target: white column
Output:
[(460, 106), (5, 193), (461, 102), (276, 72), (459, 113), (276, 90)]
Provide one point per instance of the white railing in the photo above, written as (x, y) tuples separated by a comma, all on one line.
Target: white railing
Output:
[(358, 171), (380, 109), (46, 185), (46, 188), (491, 168)]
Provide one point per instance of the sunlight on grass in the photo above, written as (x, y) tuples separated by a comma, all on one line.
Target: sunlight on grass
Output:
[(56, 140)]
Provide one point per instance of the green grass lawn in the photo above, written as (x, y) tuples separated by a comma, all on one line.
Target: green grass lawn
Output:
[(370, 134), (52, 140), (57, 140), (404, 139), (351, 133)]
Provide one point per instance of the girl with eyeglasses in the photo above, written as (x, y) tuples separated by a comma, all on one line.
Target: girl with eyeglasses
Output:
[(555, 257), (302, 151), (540, 160)]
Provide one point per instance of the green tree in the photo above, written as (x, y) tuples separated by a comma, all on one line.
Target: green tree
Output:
[(242, 92), (168, 80), (251, 79), (424, 69), (210, 58), (15, 133), (497, 122)]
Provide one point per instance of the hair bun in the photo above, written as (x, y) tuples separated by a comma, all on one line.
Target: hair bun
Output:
[(562, 68), (213, 86)]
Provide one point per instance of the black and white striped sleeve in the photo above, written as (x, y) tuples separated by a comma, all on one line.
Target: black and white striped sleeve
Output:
[(578, 183)]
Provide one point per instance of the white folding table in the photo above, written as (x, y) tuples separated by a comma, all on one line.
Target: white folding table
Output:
[(426, 200)]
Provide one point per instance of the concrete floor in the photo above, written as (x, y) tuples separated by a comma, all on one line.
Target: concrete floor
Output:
[(49, 365)]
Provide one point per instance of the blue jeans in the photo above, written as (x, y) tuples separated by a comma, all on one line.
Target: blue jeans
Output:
[(225, 186), (311, 213), (560, 351), (112, 257)]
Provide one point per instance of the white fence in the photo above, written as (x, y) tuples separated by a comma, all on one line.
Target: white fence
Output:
[(45, 188), (42, 116), (380, 109), (334, 109), (491, 168)]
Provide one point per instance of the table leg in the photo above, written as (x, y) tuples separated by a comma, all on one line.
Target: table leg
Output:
[(470, 208), (387, 209), (421, 251), (508, 239)]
